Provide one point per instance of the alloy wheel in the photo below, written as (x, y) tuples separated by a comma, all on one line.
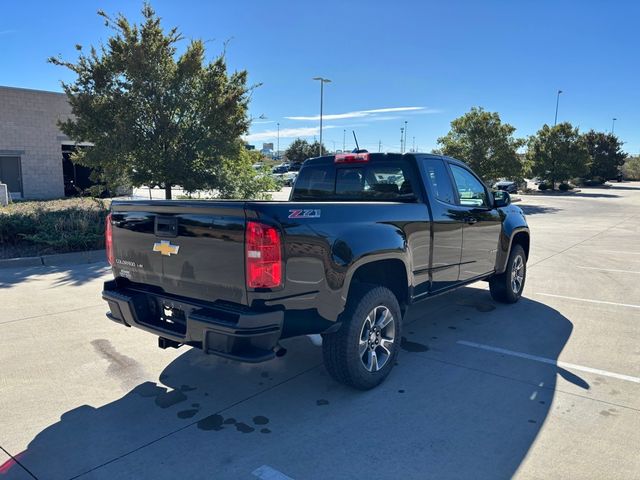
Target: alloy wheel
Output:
[(517, 274), (376, 338)]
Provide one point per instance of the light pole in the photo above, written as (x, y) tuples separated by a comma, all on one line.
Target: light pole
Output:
[(278, 142), (401, 139), (555, 121), (613, 124), (322, 82), (405, 137), (344, 139)]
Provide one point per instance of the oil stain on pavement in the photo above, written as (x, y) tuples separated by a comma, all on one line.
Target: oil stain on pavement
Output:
[(410, 346), (125, 368), (479, 306), (217, 422)]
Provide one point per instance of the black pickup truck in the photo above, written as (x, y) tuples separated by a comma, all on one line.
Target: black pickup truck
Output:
[(363, 236)]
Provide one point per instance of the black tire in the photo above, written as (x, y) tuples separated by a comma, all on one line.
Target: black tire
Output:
[(501, 286), (341, 350)]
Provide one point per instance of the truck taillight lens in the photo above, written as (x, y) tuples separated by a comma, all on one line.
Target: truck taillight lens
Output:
[(263, 248), (108, 240)]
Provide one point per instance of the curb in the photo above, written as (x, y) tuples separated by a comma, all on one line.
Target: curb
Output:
[(56, 260)]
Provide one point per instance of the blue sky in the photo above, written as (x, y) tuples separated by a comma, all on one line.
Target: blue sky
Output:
[(436, 59)]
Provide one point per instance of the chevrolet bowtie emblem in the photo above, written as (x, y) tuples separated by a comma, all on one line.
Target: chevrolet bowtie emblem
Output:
[(165, 248)]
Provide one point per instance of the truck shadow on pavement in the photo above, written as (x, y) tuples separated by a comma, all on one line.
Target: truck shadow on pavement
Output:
[(447, 411), (70, 275)]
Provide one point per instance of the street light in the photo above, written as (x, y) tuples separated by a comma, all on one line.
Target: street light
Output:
[(278, 143), (405, 137), (555, 121), (613, 124), (322, 82)]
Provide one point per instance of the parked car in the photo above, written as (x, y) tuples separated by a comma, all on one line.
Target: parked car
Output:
[(287, 178), (344, 258), (506, 185), (295, 166), (290, 178)]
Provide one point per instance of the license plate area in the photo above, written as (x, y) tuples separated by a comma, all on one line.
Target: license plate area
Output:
[(167, 315), (173, 319)]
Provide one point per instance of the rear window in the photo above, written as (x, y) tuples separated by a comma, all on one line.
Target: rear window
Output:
[(381, 181)]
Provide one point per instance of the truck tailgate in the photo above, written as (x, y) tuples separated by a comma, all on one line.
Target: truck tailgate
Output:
[(192, 249)]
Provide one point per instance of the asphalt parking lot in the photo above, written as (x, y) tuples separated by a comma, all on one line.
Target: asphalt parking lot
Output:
[(546, 388)]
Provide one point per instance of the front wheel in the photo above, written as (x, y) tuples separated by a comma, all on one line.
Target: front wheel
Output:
[(507, 287), (363, 351)]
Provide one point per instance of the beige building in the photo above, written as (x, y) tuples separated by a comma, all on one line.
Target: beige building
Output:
[(31, 145)]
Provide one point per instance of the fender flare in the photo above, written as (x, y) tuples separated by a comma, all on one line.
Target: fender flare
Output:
[(367, 260), (505, 247)]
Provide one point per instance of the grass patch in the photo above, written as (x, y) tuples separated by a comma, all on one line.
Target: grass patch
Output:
[(30, 228)]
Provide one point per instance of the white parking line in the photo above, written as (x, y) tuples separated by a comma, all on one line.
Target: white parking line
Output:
[(550, 361), (618, 251), (607, 269), (265, 472), (588, 300)]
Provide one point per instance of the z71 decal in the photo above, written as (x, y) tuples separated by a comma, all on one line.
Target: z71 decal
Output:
[(304, 213)]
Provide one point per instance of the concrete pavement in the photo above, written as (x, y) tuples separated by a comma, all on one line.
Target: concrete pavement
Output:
[(546, 388)]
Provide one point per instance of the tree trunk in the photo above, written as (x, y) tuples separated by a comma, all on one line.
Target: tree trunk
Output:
[(167, 191)]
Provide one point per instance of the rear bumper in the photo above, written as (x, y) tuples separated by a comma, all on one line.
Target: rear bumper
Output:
[(239, 334)]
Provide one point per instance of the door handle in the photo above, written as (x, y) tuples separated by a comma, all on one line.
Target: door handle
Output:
[(470, 220)]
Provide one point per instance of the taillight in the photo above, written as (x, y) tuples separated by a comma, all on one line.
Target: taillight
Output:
[(351, 158), (263, 248), (108, 240)]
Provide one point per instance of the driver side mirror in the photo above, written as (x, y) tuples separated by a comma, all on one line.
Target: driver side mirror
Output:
[(501, 198)]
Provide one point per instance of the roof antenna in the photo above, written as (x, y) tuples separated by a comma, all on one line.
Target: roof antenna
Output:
[(357, 150)]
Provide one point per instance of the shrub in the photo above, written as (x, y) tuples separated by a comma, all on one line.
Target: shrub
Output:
[(564, 187), (631, 168), (56, 226), (542, 187), (593, 183)]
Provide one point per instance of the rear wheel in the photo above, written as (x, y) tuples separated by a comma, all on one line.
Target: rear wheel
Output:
[(363, 351), (507, 287)]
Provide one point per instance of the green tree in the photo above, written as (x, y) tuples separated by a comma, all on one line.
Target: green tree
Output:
[(631, 168), (558, 153), (485, 143), (238, 179), (154, 117), (300, 150), (605, 150)]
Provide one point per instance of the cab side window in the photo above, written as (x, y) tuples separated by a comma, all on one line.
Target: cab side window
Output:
[(470, 190), (439, 180)]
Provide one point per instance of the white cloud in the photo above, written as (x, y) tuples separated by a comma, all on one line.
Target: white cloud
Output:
[(384, 118), (363, 113), (286, 133), (425, 111), (334, 116), (393, 109)]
